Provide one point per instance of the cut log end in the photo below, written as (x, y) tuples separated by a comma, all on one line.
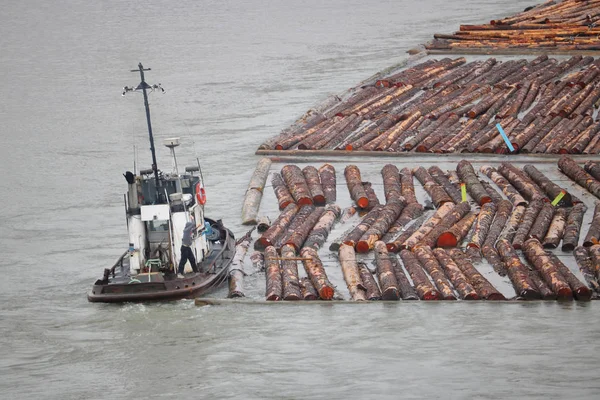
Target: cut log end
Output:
[(447, 239), (485, 199), (319, 200), (305, 201), (326, 293), (472, 296), (278, 147), (528, 294), (363, 202), (567, 247), (392, 247), (431, 295), (564, 294), (583, 294), (273, 297), (390, 294), (362, 246), (496, 297), (284, 204)]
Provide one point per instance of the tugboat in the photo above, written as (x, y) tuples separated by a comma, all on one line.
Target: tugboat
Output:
[(158, 207)]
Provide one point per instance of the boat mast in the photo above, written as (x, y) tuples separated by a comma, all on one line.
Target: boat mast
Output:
[(143, 86)]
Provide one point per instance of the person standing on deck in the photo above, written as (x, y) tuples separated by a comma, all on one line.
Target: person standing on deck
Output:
[(186, 249)]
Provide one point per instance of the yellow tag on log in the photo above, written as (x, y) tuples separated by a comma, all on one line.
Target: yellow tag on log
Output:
[(558, 197), (463, 192)]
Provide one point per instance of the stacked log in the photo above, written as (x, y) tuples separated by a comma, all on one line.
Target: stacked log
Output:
[(474, 187), (451, 218), (509, 190), (517, 272), (407, 291), (529, 217), (315, 271), (455, 275), (488, 249), (284, 197), (278, 227), (573, 227), (425, 290), (396, 243), (371, 195), (328, 183), (551, 189), (584, 261), (314, 185), (434, 190), (433, 268), (363, 226), (416, 237), (274, 290), (298, 235), (579, 175), (485, 290), (408, 189), (355, 186), (580, 291), (542, 222), (521, 182), (482, 225), (453, 237), (389, 213), (296, 183), (509, 231), (351, 273), (289, 273), (372, 290), (319, 233), (391, 182), (385, 273), (409, 213), (535, 254), (556, 230), (299, 219), (593, 235), (438, 175), (254, 193)]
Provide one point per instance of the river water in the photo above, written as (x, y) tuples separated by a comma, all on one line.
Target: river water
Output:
[(235, 73)]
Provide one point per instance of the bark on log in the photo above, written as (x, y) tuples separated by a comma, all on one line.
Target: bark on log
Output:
[(476, 190), (482, 226), (319, 233), (527, 188), (592, 168), (493, 193), (438, 175), (542, 222), (584, 261), (351, 273), (299, 235), (355, 186), (493, 257), (529, 217), (455, 275), (408, 214), (315, 271), (594, 252), (431, 265), (503, 212), (518, 273), (593, 234), (545, 292), (314, 185), (485, 290), (284, 197), (258, 262), (348, 213), (236, 268), (371, 195), (436, 192), (550, 188), (328, 183), (447, 221), (535, 254), (289, 273), (509, 190), (294, 180), (372, 290), (556, 230), (578, 174), (408, 188), (385, 273), (278, 227), (573, 227), (354, 236), (263, 224), (457, 232), (580, 291), (391, 182), (407, 291), (274, 291), (389, 213), (509, 231), (307, 289), (395, 245), (299, 219), (425, 290), (255, 190), (427, 226)]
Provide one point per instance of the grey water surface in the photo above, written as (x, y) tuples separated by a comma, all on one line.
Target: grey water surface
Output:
[(235, 74)]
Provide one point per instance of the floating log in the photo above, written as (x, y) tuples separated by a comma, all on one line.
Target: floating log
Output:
[(431, 265), (284, 198), (535, 254), (301, 232), (436, 192), (556, 230), (274, 291), (476, 190), (319, 233), (446, 222), (395, 244), (457, 232), (351, 273), (278, 227), (373, 292), (258, 262), (550, 188), (586, 267), (580, 291), (517, 272), (355, 186), (482, 286), (503, 213), (296, 183), (509, 190), (593, 235), (578, 174), (573, 227), (289, 273), (529, 217), (409, 213), (254, 192), (438, 175), (425, 290), (314, 185), (521, 182), (455, 275), (315, 271), (482, 226), (427, 226), (385, 273), (509, 231), (391, 182), (389, 213), (363, 226), (545, 292), (299, 219), (542, 222), (408, 189), (328, 183), (263, 224), (236, 268), (407, 291)]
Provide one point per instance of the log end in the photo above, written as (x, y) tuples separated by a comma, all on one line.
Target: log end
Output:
[(548, 245), (326, 293), (496, 296), (310, 296), (392, 247), (567, 247), (564, 294), (273, 297), (278, 147), (583, 294), (529, 294), (449, 297), (484, 200), (447, 239), (305, 201), (431, 295), (319, 201), (362, 246), (471, 296), (236, 294), (284, 204), (421, 149), (349, 147), (588, 243), (390, 294), (363, 202), (292, 297)]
